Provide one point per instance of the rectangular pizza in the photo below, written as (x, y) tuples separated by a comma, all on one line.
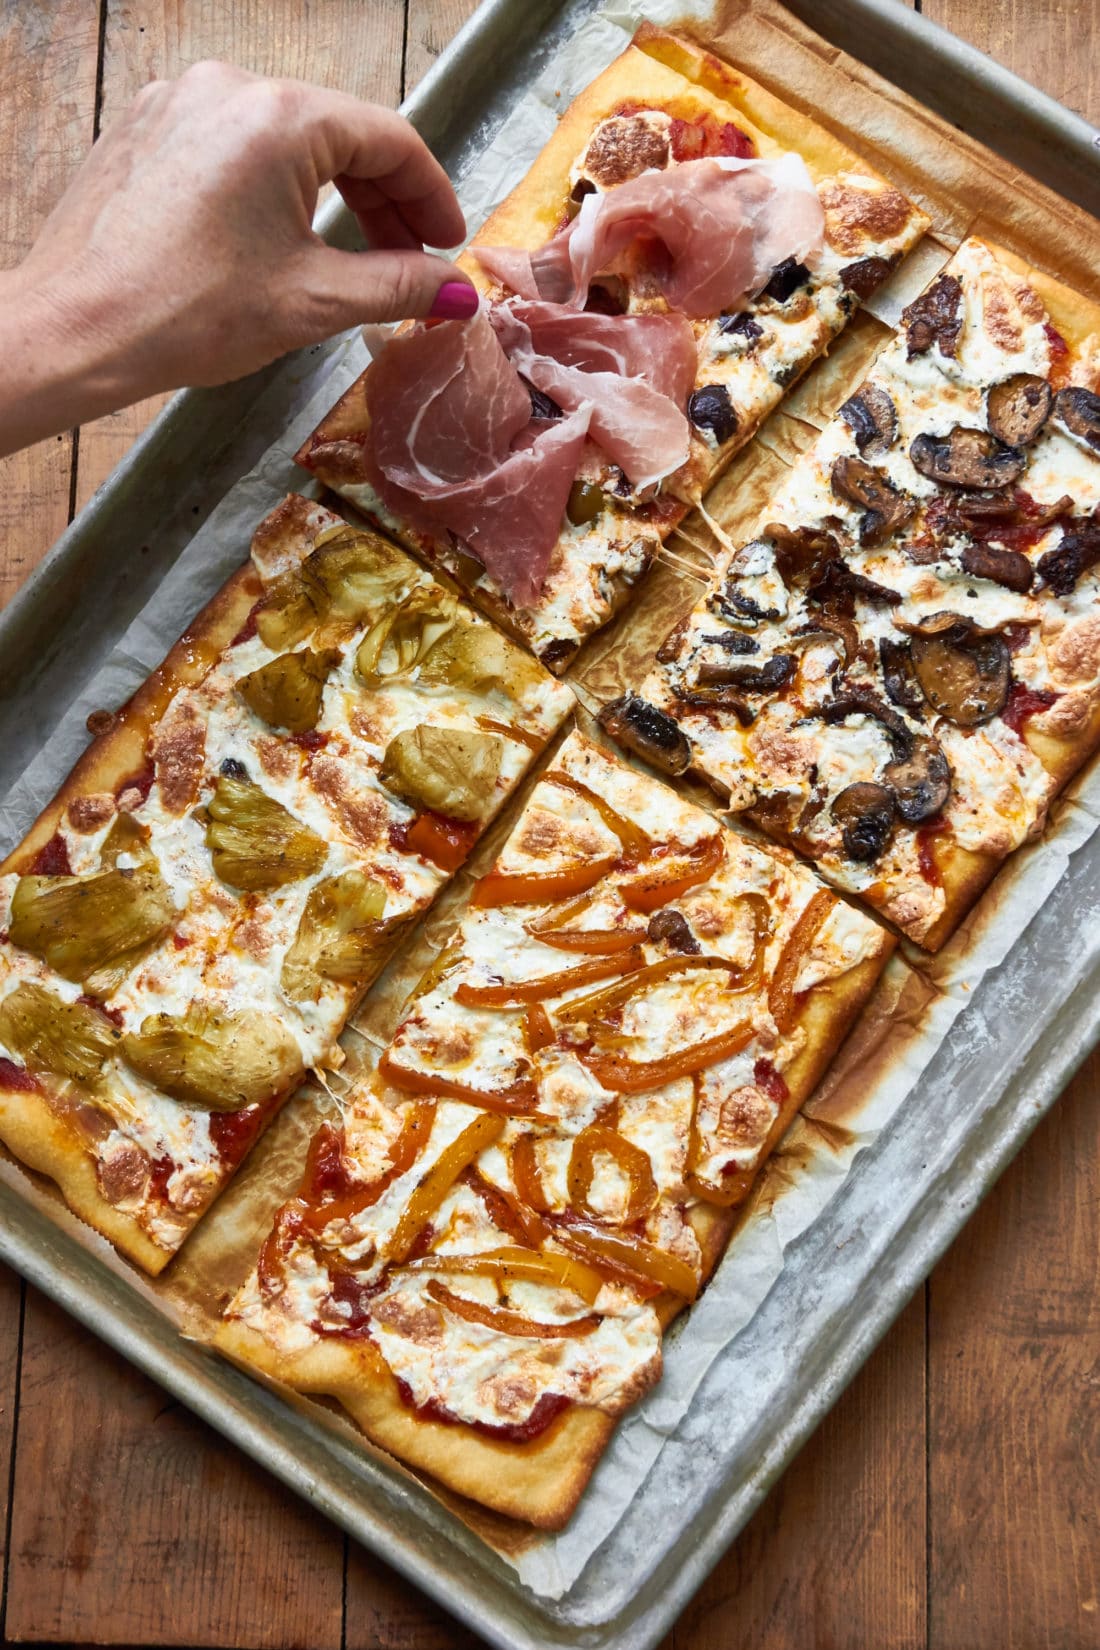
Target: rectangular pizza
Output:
[(546, 1165), (679, 253), (901, 668), (190, 922)]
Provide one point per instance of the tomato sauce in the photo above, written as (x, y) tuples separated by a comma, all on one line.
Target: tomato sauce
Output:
[(234, 1131), (1023, 703), (52, 859), (547, 1409), (926, 852), (770, 1082), (248, 629), (17, 1077)]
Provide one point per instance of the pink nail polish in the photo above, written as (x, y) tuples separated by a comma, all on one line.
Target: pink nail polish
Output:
[(455, 301)]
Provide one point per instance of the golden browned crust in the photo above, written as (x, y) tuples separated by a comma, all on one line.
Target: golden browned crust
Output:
[(40, 1139)]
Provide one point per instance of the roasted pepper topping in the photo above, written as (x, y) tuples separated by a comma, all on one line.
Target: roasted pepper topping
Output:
[(548, 985), (630, 1160)]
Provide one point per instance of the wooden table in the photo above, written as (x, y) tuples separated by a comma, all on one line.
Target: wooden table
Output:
[(950, 1500)]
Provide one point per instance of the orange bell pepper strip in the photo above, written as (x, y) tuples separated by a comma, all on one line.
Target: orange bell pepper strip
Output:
[(636, 843), (518, 1099), (525, 1173), (629, 1158), (509, 730), (512, 1264), (625, 1076), (551, 931), (672, 876), (540, 887), (734, 1187), (285, 1231), (437, 1181), (446, 842), (557, 984), (597, 1004), (629, 1259), (782, 1000), (537, 1030), (508, 1213), (407, 1147), (510, 1323)]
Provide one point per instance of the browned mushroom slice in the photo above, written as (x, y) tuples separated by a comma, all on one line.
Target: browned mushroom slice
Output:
[(1017, 408), (863, 277), (762, 678), (860, 701), (648, 732), (902, 687), (838, 584), (964, 672), (967, 458), (801, 550), (1008, 567), (719, 698), (921, 781), (1078, 411), (832, 627), (935, 317), (672, 929), (871, 416), (730, 641), (886, 508), (1077, 551), (865, 814)]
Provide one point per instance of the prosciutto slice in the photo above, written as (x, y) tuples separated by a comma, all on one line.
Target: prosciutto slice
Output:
[(635, 371), (453, 447), (722, 224)]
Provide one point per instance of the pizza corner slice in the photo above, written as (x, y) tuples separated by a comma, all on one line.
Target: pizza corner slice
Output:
[(679, 253), (901, 669), (188, 925), (546, 1165)]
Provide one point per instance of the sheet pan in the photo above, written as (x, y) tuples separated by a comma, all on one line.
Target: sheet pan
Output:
[(967, 1126)]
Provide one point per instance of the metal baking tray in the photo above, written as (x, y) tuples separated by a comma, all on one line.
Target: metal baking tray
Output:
[(978, 1102)]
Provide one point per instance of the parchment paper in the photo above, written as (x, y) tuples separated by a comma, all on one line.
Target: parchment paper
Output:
[(965, 189)]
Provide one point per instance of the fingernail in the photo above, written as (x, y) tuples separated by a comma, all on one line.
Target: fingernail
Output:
[(455, 301)]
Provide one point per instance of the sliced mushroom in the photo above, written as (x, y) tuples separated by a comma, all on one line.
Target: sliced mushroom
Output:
[(964, 672), (862, 702), (710, 408), (967, 458), (873, 419), (719, 698), (765, 678), (834, 627), (935, 317), (921, 781), (1018, 407), (801, 550), (672, 928), (902, 687), (729, 603), (1078, 411), (886, 508), (1010, 568), (730, 641), (648, 732), (838, 584), (786, 278), (1078, 550), (865, 814), (863, 277)]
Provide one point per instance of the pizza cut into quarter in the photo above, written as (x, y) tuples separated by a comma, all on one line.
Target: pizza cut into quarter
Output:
[(544, 1168), (190, 922), (901, 669), (679, 253)]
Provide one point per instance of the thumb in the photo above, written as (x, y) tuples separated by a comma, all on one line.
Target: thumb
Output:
[(349, 288)]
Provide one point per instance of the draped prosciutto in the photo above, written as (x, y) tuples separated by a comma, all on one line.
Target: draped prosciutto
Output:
[(721, 226), (453, 447), (636, 372)]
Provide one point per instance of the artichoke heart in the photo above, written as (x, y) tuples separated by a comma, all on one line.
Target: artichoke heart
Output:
[(289, 612), (214, 1058), (338, 934), (288, 691), (255, 842), (404, 636), (479, 659), (48, 1034), (450, 771), (93, 929), (352, 574)]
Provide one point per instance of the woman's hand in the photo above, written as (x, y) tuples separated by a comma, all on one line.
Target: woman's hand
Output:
[(182, 252)]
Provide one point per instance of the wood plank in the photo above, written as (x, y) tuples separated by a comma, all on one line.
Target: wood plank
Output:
[(385, 1612), (1014, 1328), (432, 25), (133, 1523), (48, 70), (1047, 42), (11, 1328), (835, 1557), (336, 44)]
